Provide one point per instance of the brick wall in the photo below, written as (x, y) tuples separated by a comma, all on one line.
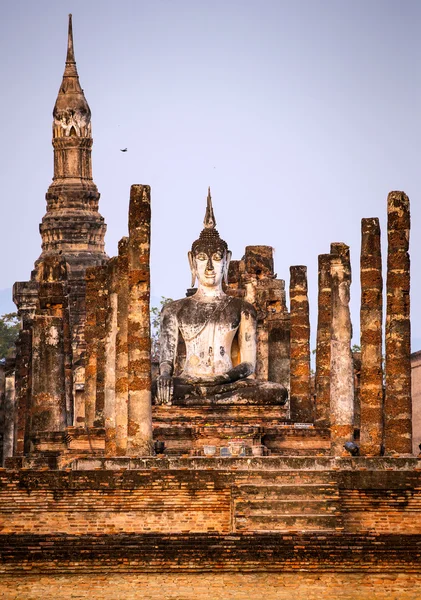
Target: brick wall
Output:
[(214, 586), (206, 499)]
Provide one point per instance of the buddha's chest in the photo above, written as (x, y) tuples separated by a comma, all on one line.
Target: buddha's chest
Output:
[(217, 320)]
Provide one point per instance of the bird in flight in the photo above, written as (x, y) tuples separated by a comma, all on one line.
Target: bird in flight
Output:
[(123, 150)]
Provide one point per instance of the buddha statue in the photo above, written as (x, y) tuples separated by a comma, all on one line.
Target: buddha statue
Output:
[(209, 321)]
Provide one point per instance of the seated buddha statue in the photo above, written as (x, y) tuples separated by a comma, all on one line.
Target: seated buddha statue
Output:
[(208, 321)]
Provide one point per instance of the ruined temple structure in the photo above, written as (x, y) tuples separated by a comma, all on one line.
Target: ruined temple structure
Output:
[(224, 466)]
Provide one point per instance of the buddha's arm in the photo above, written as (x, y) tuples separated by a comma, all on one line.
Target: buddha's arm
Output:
[(247, 345), (168, 340)]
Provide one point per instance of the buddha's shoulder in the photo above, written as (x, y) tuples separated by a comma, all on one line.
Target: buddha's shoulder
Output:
[(173, 306), (245, 307)]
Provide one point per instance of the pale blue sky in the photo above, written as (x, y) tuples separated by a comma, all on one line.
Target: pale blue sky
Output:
[(301, 116)]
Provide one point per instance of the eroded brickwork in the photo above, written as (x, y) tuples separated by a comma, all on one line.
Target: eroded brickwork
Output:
[(300, 400), (139, 428), (398, 406), (322, 377), (371, 323), (215, 585), (341, 364)]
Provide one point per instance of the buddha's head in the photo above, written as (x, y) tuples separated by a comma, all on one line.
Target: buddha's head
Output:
[(209, 256)]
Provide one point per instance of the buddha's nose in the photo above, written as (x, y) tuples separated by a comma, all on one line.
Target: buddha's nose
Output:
[(209, 266)]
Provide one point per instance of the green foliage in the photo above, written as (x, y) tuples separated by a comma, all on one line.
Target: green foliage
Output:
[(156, 325), (9, 329)]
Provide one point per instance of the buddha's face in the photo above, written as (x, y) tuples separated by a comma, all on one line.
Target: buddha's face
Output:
[(210, 267)]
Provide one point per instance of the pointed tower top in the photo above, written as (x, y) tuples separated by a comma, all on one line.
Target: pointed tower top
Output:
[(209, 221), (70, 51), (70, 69), (71, 112)]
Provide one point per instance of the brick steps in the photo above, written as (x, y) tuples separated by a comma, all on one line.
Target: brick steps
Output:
[(287, 507)]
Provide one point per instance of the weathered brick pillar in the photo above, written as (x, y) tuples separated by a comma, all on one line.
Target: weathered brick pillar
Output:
[(110, 359), (91, 345), (324, 318), (300, 402), (122, 361), (53, 301), (23, 388), (279, 349), (398, 407), (48, 407), (371, 377), (100, 319), (9, 408), (341, 364), (139, 438), (26, 298)]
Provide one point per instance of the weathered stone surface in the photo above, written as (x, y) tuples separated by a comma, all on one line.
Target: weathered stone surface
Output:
[(9, 410), (371, 315), (92, 283), (279, 347), (110, 358), (48, 406), (324, 318), (300, 402), (121, 376), (341, 364), (139, 430), (100, 335), (398, 406), (253, 278), (23, 384)]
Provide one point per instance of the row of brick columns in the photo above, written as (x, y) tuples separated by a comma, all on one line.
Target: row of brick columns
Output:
[(118, 362), (385, 405)]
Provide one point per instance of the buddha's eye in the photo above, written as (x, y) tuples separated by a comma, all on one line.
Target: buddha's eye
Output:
[(201, 256), (217, 256)]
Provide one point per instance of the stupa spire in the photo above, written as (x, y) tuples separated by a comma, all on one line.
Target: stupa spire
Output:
[(70, 68), (72, 115)]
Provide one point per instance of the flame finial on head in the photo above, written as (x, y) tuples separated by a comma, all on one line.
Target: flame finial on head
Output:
[(209, 220)]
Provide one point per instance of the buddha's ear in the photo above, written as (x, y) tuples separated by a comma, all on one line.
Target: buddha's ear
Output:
[(192, 263), (227, 264)]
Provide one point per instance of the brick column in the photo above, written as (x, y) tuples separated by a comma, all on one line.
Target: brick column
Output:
[(48, 407), (23, 385), (398, 406), (279, 349), (91, 346), (9, 408), (121, 374), (26, 298), (324, 318), (371, 378), (341, 364), (139, 438), (101, 273), (110, 359), (300, 403)]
